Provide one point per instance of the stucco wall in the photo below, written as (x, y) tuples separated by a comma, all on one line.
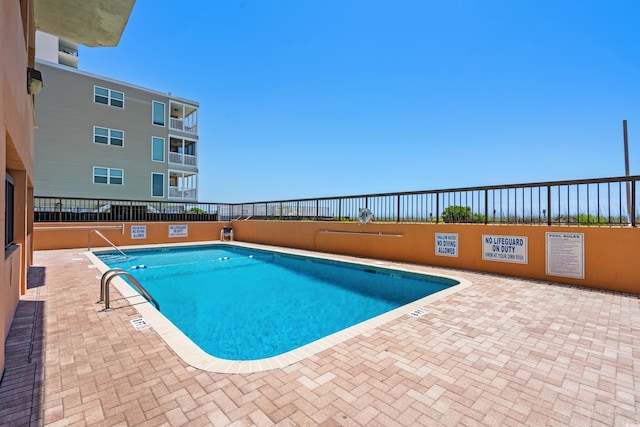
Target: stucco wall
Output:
[(11, 285), (16, 153), (76, 235), (610, 254)]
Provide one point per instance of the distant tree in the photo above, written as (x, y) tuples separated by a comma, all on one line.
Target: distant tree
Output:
[(457, 214), (195, 210), (460, 214)]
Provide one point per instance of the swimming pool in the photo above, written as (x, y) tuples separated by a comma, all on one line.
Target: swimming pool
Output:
[(240, 303)]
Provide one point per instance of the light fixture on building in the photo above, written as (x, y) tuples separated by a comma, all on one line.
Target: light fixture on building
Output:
[(34, 81)]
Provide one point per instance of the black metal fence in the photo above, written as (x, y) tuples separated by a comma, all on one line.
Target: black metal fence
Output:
[(604, 201), (64, 209)]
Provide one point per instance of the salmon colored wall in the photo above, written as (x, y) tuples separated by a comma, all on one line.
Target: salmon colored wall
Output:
[(76, 235), (11, 285), (611, 255), (17, 126), (20, 224)]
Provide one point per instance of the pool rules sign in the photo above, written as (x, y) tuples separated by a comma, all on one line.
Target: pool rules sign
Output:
[(565, 255), (505, 248)]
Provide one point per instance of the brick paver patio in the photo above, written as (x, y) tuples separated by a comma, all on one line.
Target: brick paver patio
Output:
[(504, 351)]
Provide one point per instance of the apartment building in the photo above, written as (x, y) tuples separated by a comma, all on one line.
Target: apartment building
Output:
[(101, 138)]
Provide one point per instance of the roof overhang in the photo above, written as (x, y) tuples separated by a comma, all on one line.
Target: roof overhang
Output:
[(88, 22)]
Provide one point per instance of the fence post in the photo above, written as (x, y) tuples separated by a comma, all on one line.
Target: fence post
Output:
[(437, 207), (548, 205), (398, 213), (486, 206), (633, 203)]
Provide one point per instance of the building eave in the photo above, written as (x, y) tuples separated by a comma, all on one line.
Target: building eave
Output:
[(88, 22)]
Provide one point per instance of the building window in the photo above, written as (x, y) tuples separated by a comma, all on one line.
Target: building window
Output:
[(108, 176), (108, 97), (158, 113), (9, 185), (157, 185), (157, 149), (108, 136)]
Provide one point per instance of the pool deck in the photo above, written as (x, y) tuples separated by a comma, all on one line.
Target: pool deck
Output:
[(503, 351)]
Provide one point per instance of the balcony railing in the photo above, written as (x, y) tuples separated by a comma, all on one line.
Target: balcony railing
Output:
[(183, 193), (588, 202), (182, 159), (183, 126)]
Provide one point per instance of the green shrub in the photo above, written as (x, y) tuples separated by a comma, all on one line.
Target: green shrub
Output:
[(588, 219), (461, 214)]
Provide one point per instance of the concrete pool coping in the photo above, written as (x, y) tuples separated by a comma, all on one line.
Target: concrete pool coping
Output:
[(194, 356)]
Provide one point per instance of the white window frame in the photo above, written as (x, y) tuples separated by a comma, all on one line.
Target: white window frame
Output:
[(109, 177), (110, 97), (164, 184), (164, 154), (110, 136), (153, 110)]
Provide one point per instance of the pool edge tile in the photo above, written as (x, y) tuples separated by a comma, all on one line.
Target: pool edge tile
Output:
[(194, 356)]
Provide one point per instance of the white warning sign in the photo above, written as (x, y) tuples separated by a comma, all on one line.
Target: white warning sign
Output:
[(565, 255), (447, 244), (178, 230), (505, 248)]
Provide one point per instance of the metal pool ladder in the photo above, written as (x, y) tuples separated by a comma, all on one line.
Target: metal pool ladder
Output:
[(112, 274)]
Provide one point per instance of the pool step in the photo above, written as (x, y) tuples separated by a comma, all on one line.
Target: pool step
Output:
[(109, 258)]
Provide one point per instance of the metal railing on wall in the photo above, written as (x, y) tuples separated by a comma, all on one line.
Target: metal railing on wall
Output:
[(603, 201), (65, 209)]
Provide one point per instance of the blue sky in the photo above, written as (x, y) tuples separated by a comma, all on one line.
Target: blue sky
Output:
[(302, 98)]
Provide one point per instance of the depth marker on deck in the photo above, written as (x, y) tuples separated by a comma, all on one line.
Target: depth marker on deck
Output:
[(419, 312), (140, 324)]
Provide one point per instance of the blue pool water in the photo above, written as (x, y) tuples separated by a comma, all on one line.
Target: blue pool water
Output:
[(246, 304)]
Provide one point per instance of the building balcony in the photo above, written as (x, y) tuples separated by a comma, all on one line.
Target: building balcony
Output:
[(183, 186), (68, 53), (183, 118), (182, 151)]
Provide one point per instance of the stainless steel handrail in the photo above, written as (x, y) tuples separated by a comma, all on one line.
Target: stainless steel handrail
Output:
[(362, 233), (111, 274), (106, 240), (87, 227)]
